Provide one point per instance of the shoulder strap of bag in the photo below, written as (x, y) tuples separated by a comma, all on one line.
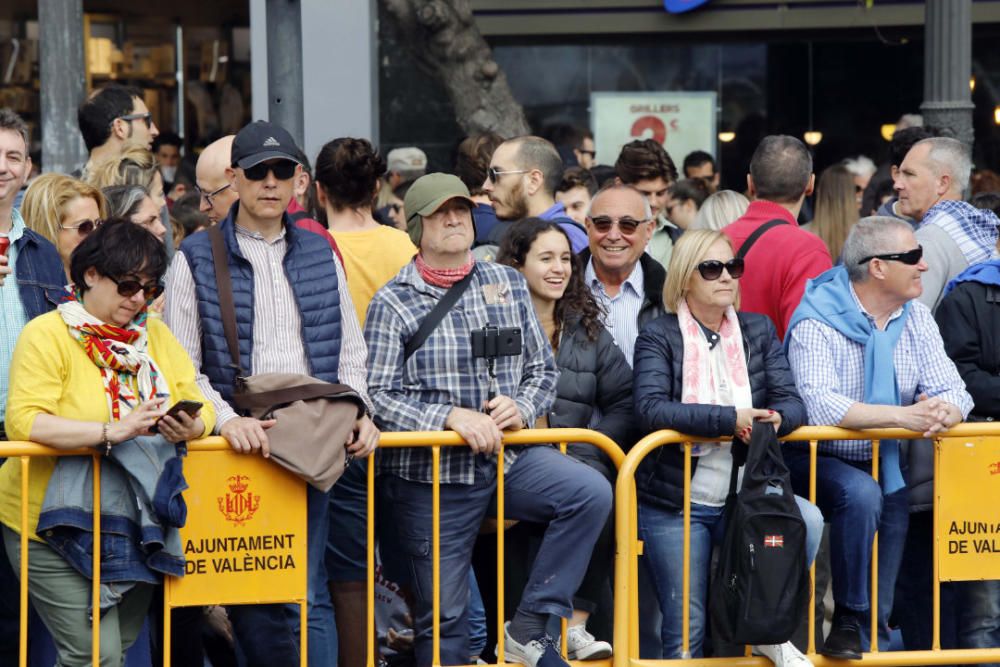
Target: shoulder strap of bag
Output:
[(226, 306), (437, 314), (760, 231)]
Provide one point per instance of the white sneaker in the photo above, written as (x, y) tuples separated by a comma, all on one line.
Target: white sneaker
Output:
[(581, 645), (541, 652), (783, 655)]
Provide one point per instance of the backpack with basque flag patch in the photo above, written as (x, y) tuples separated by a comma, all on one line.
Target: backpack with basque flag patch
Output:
[(761, 589)]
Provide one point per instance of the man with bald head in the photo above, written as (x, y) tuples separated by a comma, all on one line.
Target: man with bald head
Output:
[(953, 233), (521, 183), (213, 188), (623, 277)]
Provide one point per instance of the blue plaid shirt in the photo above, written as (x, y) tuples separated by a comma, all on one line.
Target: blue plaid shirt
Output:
[(829, 372), (418, 395)]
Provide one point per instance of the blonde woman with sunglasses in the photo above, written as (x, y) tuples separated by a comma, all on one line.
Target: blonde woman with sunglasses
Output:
[(64, 210), (705, 370)]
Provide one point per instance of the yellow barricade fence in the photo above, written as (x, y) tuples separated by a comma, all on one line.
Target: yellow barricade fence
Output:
[(436, 440), (965, 459)]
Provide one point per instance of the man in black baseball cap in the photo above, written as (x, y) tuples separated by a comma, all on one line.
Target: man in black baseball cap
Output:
[(283, 278), (260, 141)]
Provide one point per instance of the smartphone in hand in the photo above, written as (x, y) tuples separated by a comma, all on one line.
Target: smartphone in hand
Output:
[(189, 407)]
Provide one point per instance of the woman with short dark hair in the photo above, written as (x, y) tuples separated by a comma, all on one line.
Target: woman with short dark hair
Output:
[(97, 372)]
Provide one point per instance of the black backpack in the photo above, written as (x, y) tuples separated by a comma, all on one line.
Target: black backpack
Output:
[(761, 589)]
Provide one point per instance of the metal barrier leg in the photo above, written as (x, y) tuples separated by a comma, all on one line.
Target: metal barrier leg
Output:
[(167, 627), (686, 579), (370, 577), (501, 568), (935, 563), (303, 628), (873, 601), (23, 630), (96, 601), (811, 630), (436, 555)]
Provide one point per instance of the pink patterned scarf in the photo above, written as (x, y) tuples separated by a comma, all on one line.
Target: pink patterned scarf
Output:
[(442, 277)]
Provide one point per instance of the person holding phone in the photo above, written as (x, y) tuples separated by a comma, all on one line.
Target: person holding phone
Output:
[(98, 372), (704, 370)]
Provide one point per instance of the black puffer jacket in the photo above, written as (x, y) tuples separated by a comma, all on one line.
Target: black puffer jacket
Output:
[(592, 374), (969, 319), (659, 356)]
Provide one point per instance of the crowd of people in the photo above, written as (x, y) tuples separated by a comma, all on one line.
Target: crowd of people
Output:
[(525, 287)]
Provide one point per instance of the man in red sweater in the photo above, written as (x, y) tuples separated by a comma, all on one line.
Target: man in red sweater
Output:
[(783, 258)]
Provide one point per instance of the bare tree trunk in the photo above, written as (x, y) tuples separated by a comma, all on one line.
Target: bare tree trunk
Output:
[(443, 38)]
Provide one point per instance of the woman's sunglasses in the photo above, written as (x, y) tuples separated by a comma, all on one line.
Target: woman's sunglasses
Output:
[(84, 227), (129, 288), (712, 269), (283, 170), (911, 257)]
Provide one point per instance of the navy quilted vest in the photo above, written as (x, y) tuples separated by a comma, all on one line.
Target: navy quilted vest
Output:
[(313, 276)]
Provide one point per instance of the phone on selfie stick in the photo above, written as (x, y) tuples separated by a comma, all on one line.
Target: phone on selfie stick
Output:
[(490, 343)]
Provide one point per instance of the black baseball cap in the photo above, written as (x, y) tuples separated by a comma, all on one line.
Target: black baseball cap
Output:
[(260, 141)]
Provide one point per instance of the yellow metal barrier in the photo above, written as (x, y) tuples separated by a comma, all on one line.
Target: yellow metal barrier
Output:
[(629, 547), (436, 440)]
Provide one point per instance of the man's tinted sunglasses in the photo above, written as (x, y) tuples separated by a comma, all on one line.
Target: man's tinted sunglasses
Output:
[(911, 257)]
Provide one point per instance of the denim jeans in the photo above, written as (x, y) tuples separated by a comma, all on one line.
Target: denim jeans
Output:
[(853, 504), (662, 533), (542, 486), (268, 634)]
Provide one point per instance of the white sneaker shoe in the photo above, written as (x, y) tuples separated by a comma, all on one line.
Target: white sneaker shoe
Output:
[(783, 655), (581, 645), (541, 652)]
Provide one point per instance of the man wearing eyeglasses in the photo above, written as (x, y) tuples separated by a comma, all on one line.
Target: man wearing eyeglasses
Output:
[(113, 118), (521, 182), (283, 278), (955, 234), (623, 277), (31, 276), (866, 353)]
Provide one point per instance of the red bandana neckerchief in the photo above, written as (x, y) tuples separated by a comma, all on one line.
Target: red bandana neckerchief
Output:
[(443, 277)]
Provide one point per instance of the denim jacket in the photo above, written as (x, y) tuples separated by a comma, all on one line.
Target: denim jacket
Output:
[(40, 275), (141, 511)]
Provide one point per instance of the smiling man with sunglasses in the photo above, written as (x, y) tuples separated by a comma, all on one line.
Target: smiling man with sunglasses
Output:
[(867, 354), (623, 277), (292, 317)]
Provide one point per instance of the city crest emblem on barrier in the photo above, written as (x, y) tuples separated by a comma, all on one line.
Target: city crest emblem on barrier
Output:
[(239, 504)]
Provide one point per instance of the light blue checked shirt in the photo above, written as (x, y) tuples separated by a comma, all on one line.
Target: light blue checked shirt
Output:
[(622, 310), (829, 372), (14, 316), (418, 395)]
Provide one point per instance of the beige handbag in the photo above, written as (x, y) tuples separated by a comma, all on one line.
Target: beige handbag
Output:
[(313, 418)]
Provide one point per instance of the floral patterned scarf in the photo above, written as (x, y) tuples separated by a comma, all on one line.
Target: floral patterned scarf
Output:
[(129, 374)]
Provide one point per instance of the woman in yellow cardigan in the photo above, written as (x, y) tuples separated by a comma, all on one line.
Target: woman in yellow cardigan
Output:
[(97, 373)]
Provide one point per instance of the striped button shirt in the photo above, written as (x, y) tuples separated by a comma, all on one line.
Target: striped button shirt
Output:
[(829, 372), (14, 316), (277, 325), (418, 394), (622, 310)]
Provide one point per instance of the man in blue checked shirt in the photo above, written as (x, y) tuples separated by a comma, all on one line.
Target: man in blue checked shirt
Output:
[(442, 386), (867, 354)]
